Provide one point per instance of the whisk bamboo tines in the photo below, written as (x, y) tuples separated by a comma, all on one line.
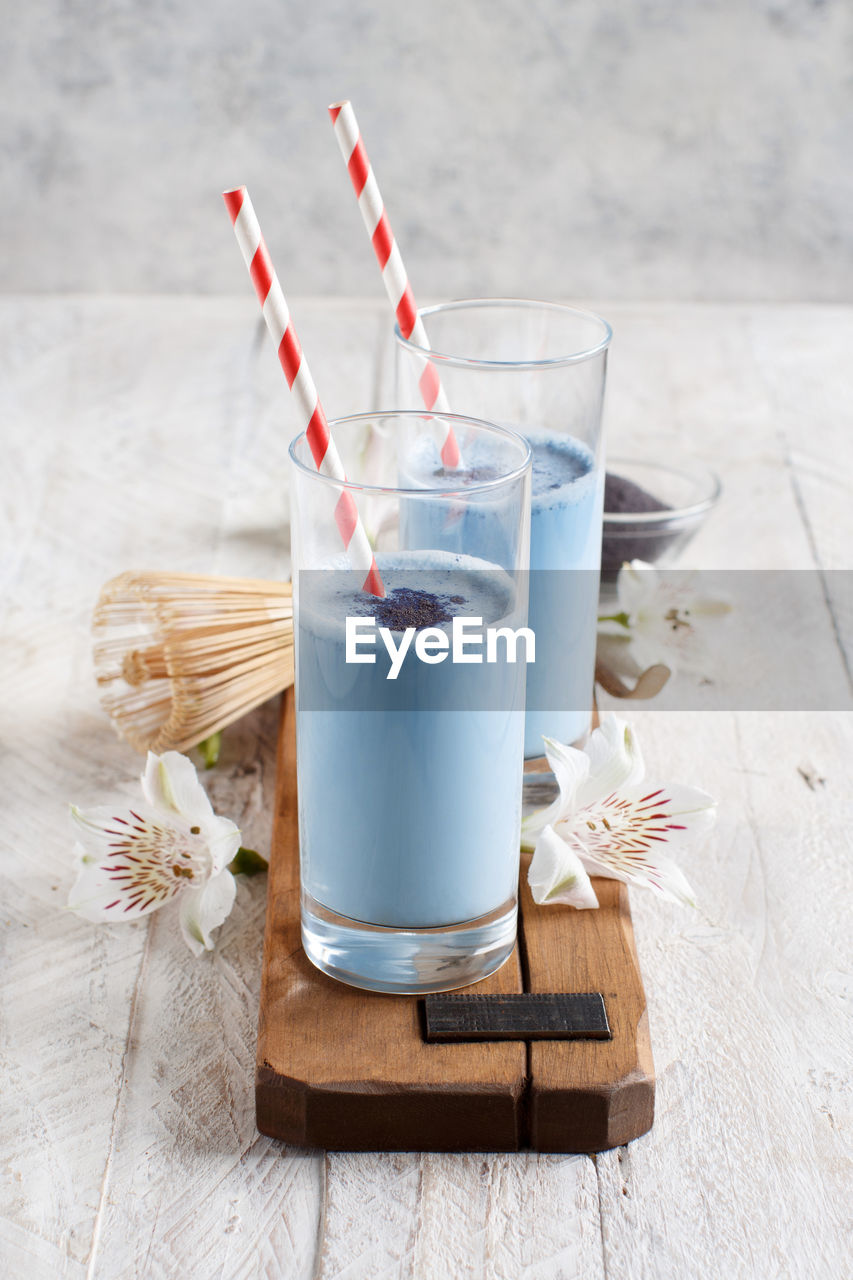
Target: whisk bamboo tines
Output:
[(178, 656)]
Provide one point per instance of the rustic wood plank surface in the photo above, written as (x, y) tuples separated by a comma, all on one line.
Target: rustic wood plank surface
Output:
[(152, 433)]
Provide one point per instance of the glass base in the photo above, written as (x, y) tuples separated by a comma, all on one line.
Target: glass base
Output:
[(407, 961)]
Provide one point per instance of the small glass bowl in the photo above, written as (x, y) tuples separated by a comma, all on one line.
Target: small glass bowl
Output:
[(686, 491)]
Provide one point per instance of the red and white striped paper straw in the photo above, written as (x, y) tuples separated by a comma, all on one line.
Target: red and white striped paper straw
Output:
[(390, 262), (326, 457)]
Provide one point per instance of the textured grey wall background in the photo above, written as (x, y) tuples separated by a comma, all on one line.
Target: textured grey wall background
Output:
[(642, 149)]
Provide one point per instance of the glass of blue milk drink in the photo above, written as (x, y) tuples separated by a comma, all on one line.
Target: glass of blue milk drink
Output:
[(539, 368), (410, 705)]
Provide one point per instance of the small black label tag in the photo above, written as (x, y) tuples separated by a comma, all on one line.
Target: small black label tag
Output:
[(526, 1016)]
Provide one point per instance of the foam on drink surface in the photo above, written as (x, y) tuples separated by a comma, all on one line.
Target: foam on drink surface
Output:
[(562, 466), (422, 589)]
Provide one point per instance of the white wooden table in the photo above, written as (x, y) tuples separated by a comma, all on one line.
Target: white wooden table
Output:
[(152, 433)]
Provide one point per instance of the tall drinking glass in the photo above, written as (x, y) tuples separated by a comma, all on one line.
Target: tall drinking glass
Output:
[(410, 743), (539, 368)]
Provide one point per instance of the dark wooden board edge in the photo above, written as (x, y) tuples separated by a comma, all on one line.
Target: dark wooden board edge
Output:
[(385, 1118)]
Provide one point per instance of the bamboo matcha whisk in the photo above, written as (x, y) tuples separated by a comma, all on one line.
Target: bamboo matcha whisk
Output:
[(178, 656)]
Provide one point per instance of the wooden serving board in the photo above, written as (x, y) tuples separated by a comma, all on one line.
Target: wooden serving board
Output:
[(350, 1070)]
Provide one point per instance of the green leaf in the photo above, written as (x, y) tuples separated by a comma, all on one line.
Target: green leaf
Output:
[(247, 863), (209, 749)]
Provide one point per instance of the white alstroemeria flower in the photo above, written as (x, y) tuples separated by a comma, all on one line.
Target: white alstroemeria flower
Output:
[(610, 822), (660, 620), (133, 861)]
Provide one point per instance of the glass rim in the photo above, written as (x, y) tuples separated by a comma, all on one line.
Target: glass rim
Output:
[(449, 490), (670, 515), (520, 304)]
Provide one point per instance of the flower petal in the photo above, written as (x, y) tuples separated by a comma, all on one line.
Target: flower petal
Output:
[(615, 761), (636, 586), (556, 874), (223, 840), (100, 827), (570, 768), (662, 875), (170, 782), (103, 892), (205, 909)]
